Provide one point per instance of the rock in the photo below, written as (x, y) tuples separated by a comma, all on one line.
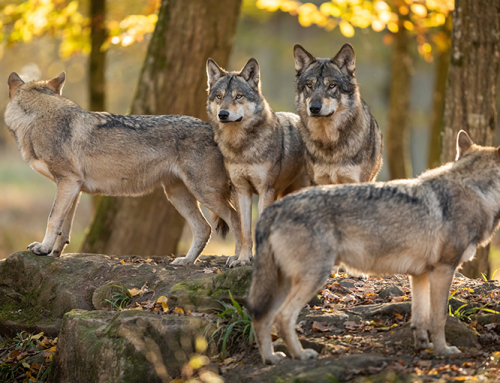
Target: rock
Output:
[(203, 294), (383, 309), (457, 334), (35, 292), (391, 290), (337, 318), (125, 346)]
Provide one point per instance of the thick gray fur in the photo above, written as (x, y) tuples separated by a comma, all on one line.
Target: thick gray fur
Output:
[(343, 141), (425, 227), (263, 150), (103, 153)]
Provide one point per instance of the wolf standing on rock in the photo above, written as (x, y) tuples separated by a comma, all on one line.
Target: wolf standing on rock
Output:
[(343, 141), (263, 150), (103, 153), (425, 227)]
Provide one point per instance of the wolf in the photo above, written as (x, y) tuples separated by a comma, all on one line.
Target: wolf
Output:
[(104, 153), (263, 150), (425, 227), (343, 141)]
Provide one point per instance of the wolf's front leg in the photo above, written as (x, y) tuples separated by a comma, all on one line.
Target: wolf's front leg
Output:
[(420, 310), (440, 281), (265, 199), (66, 195), (63, 240), (244, 206)]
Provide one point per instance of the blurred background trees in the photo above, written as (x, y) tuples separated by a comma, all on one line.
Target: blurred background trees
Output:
[(402, 48)]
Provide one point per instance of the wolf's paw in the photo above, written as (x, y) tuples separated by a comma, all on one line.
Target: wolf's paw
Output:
[(39, 248), (308, 353), (181, 261), (275, 358), (449, 350), (234, 261)]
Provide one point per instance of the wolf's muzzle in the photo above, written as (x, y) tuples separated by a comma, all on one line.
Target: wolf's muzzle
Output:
[(315, 107), (223, 115)]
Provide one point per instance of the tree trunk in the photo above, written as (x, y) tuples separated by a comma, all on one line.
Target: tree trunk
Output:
[(472, 87), (442, 65), (97, 62), (97, 58), (172, 81), (399, 106)]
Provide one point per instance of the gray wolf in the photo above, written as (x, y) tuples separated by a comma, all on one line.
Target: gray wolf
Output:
[(263, 151), (425, 227), (343, 141), (103, 153)]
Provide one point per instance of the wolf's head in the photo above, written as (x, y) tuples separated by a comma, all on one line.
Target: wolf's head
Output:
[(325, 86), (235, 97), (50, 87)]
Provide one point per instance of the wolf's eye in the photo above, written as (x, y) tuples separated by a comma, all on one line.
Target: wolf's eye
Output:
[(239, 96), (332, 86), (309, 85), (218, 97)]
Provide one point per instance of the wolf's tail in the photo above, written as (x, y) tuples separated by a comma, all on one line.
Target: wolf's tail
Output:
[(221, 226), (265, 271)]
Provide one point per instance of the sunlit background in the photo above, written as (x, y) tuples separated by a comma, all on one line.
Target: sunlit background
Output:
[(267, 30)]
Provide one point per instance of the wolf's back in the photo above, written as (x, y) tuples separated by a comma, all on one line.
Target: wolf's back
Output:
[(265, 270)]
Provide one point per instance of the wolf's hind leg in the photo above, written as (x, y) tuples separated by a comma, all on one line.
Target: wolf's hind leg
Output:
[(440, 281), (187, 205), (302, 290), (420, 310), (63, 239), (66, 195), (262, 327)]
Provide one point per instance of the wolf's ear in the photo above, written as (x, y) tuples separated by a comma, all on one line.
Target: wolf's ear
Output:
[(214, 72), (302, 58), (14, 82), (464, 143), (57, 83), (251, 73), (346, 59)]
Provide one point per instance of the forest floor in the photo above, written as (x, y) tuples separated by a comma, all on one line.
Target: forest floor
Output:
[(360, 327)]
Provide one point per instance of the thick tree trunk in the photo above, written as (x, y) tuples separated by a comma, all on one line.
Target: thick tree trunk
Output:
[(442, 65), (172, 81), (399, 106), (472, 87)]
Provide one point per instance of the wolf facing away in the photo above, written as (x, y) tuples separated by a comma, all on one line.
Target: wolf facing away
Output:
[(425, 227), (343, 141), (103, 153), (263, 151)]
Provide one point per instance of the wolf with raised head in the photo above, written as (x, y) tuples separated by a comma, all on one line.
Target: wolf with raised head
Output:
[(343, 141), (103, 153), (424, 227), (263, 151)]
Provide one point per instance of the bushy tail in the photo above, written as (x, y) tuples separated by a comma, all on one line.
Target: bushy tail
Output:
[(221, 226), (265, 271)]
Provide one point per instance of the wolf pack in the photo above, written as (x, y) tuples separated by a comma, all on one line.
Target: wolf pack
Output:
[(314, 172)]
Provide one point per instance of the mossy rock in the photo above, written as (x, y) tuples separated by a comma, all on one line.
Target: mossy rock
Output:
[(35, 292), (203, 294), (125, 346)]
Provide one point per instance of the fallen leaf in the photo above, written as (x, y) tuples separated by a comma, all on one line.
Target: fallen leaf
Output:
[(321, 326), (179, 310), (134, 291)]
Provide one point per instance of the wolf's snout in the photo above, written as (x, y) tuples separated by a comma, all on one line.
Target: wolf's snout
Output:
[(315, 107), (223, 115)]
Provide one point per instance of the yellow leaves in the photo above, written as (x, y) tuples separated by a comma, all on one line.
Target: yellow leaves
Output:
[(178, 310), (346, 28), (163, 300), (419, 10)]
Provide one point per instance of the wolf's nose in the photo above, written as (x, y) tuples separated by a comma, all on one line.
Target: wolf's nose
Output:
[(223, 115), (315, 107)]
